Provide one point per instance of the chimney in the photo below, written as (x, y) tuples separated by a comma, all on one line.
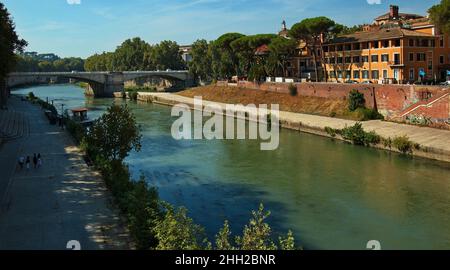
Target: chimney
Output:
[(394, 12)]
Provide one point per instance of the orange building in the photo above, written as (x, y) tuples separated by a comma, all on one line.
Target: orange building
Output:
[(397, 48)]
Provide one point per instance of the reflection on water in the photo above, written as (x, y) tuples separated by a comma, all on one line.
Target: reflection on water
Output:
[(331, 194)]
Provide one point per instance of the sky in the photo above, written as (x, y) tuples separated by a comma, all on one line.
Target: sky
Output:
[(81, 28)]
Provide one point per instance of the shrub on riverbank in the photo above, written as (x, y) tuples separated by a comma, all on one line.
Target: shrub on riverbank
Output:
[(358, 136), (403, 144)]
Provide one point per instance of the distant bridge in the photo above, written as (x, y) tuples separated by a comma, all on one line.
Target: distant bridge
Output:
[(103, 84)]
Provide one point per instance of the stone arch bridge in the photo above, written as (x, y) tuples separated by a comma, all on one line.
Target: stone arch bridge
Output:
[(104, 84)]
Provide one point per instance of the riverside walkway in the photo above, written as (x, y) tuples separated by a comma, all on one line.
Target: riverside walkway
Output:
[(64, 200), (435, 143)]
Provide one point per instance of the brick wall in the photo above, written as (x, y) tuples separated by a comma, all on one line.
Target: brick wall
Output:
[(390, 100)]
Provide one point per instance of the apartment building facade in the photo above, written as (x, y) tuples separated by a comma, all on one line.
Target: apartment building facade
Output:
[(397, 48)]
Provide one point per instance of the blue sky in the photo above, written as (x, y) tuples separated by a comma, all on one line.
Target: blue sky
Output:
[(100, 25)]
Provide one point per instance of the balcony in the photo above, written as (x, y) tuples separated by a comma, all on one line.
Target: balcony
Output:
[(396, 63)]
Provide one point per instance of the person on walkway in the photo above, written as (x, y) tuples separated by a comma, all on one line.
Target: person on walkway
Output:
[(28, 161), (35, 161), (21, 162), (39, 160)]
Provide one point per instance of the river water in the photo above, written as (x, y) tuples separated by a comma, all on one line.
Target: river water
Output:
[(332, 195)]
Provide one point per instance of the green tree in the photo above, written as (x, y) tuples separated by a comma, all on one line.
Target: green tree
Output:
[(224, 60), (143, 214), (440, 15), (281, 49), (45, 66), (167, 55), (178, 232), (200, 66), (313, 31), (257, 234), (115, 134), (223, 241), (244, 48), (131, 55), (10, 44)]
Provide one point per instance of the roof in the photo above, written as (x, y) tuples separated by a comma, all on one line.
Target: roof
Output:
[(379, 35), (263, 49), (387, 16)]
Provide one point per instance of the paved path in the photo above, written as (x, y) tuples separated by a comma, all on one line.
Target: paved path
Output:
[(436, 142), (44, 208)]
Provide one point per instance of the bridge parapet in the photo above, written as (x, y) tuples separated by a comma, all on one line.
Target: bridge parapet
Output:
[(104, 84)]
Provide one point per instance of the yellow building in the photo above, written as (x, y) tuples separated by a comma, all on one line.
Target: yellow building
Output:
[(394, 50)]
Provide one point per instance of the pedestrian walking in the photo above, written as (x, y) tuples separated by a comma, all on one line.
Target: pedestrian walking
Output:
[(35, 161), (39, 157), (21, 162), (28, 161)]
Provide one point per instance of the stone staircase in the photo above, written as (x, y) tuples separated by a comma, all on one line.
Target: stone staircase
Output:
[(13, 125), (421, 104)]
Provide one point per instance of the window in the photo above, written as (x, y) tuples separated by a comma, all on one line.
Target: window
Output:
[(411, 74), (441, 42), (385, 43), (348, 74), (332, 75), (355, 74), (433, 43), (411, 42), (332, 48), (411, 57), (356, 59), (385, 58), (397, 59), (375, 74), (356, 46), (376, 44), (421, 57), (397, 42), (441, 59), (348, 47), (365, 58), (385, 74), (424, 43), (348, 60), (339, 74), (340, 60), (333, 60), (365, 74), (339, 48), (326, 48), (374, 58)]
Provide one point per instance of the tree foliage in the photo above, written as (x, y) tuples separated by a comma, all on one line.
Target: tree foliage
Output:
[(313, 31), (115, 134), (136, 54), (440, 15), (10, 43), (200, 66), (179, 232)]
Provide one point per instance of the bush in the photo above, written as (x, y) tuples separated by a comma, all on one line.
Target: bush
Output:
[(356, 100), (293, 90), (358, 136), (365, 114), (403, 144)]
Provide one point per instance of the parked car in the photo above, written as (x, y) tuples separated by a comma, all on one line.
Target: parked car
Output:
[(447, 83), (351, 81), (367, 82)]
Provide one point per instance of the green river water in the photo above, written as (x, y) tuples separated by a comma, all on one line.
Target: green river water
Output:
[(332, 195)]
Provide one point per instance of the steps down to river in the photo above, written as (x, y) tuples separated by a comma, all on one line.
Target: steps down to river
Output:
[(13, 125)]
